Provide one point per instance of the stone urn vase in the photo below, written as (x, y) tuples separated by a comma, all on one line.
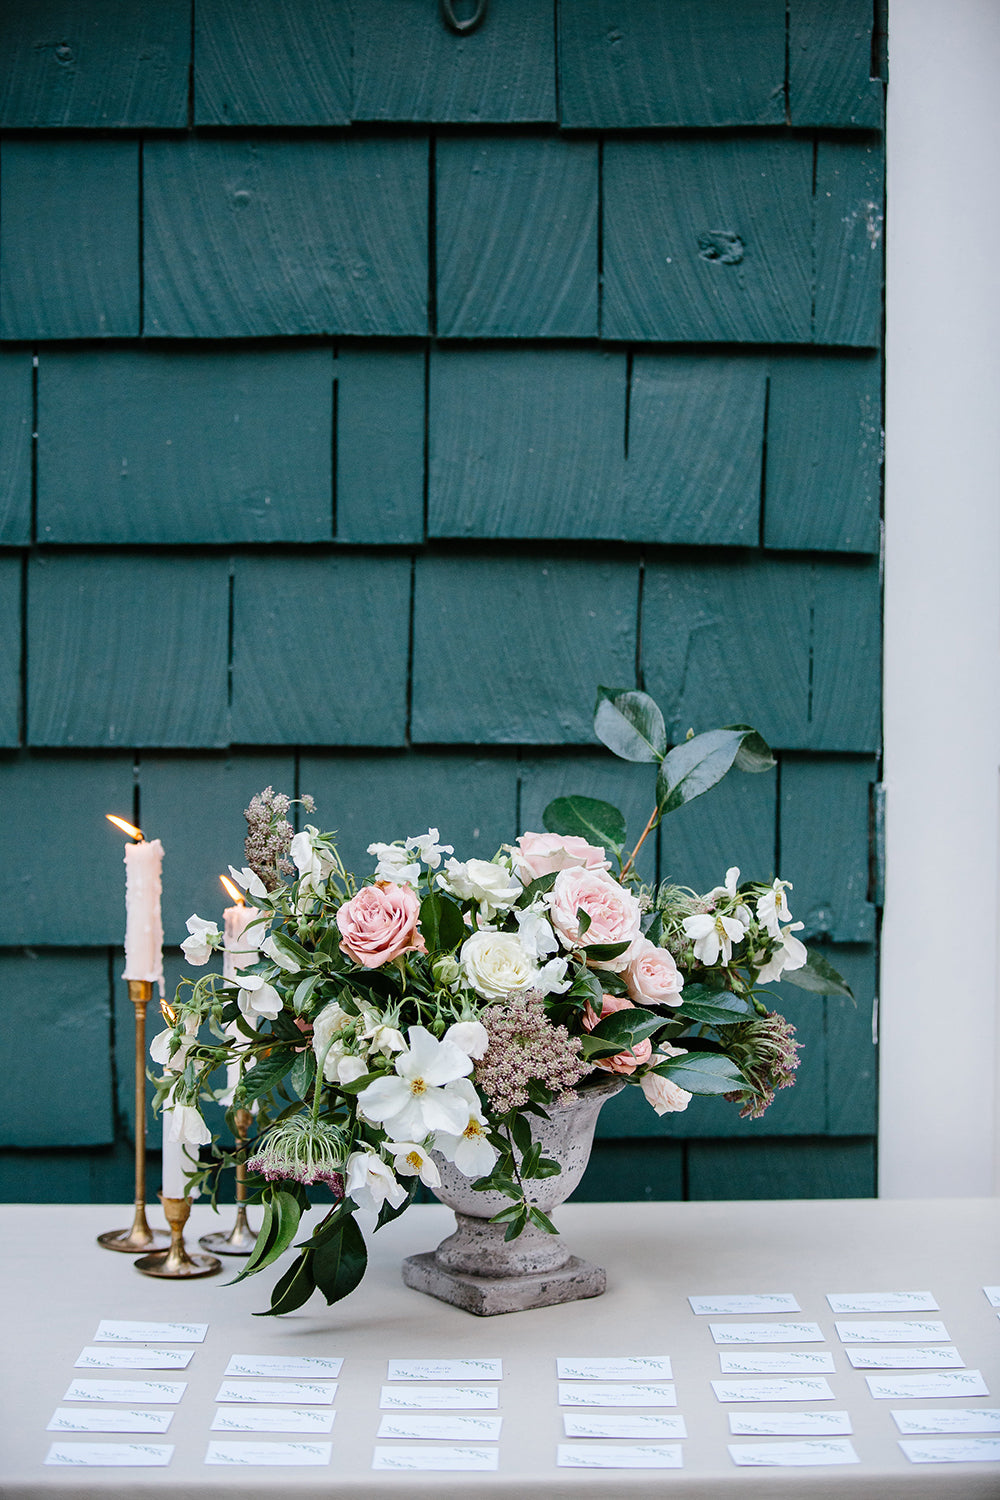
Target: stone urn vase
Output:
[(476, 1268)]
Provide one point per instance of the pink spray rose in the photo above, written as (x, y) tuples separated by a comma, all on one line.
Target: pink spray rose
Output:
[(541, 854), (613, 911), (652, 976), (622, 1062), (380, 923), (663, 1094)]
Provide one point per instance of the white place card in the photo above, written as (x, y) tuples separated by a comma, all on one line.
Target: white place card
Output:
[(110, 1455), (794, 1388), (94, 1357), (913, 1331), (794, 1455), (767, 1333), (954, 1419), (625, 1367), (909, 1357), (440, 1427), (635, 1424), (273, 1419), (419, 1397), (745, 1302), (456, 1459), (285, 1366), (927, 1387), (881, 1302), (104, 1419), (790, 1423), (269, 1455), (158, 1392), (951, 1450), (115, 1331), (993, 1293), (592, 1393), (608, 1456), (775, 1362), (279, 1392), (445, 1369)]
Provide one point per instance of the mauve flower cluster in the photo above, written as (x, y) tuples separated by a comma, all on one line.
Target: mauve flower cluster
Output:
[(525, 1045), (269, 835), (768, 1057)]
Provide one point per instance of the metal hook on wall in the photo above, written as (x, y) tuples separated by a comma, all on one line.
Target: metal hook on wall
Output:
[(452, 21)]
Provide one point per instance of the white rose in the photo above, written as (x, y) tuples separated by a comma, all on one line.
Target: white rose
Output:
[(497, 965), (492, 885)]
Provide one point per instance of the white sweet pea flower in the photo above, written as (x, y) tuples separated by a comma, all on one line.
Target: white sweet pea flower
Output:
[(772, 908), (257, 998), (370, 1183), (159, 1047), (470, 1150), (470, 1036), (551, 977), (187, 1126), (713, 934), (492, 885), (535, 931), (248, 881), (394, 863), (270, 949), (428, 848), (313, 863), (730, 887), (205, 938), (420, 1097), (792, 954), (350, 1068), (411, 1160)]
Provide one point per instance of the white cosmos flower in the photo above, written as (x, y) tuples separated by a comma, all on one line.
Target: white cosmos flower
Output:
[(772, 908), (248, 881), (535, 932), (395, 863), (492, 885), (471, 1036), (420, 1097), (792, 954), (187, 1126), (471, 1150), (713, 934), (411, 1160), (257, 998), (205, 937), (428, 848), (271, 950), (370, 1183)]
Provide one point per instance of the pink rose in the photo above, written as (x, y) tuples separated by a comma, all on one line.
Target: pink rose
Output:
[(613, 911), (652, 976), (665, 1096), (543, 853), (622, 1062), (380, 923)]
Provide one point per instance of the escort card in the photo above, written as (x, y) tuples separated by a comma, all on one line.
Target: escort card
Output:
[(96, 1358), (430, 1459), (260, 1455), (445, 1369), (279, 1392), (635, 1456), (795, 1388), (951, 1450), (623, 1425), (927, 1387), (110, 1455), (745, 1302), (937, 1357), (993, 1293), (794, 1455), (958, 1419), (593, 1394), (441, 1427), (113, 1331), (881, 1302), (272, 1419), (766, 1333), (159, 1392), (628, 1367), (775, 1362), (284, 1366), (439, 1398), (97, 1419), (910, 1332), (789, 1423)]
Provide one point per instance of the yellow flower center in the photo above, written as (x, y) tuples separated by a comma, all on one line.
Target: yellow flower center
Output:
[(473, 1130), (418, 1086), (413, 1160)]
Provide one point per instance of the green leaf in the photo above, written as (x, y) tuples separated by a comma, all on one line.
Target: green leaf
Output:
[(303, 1072), (583, 920), (357, 1084), (818, 976), (754, 754), (438, 922), (694, 766), (630, 724), (290, 949), (588, 985), (711, 1007), (293, 1288), (602, 952), (531, 1159), (538, 887), (547, 1167), (542, 1220), (267, 1074), (282, 1228), (340, 1264), (521, 1131), (517, 1225), (624, 1028), (304, 993), (387, 1213), (703, 1073), (265, 1238), (597, 822)]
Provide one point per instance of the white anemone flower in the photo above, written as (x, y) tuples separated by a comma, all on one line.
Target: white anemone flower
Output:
[(204, 939), (772, 908), (428, 848), (792, 954), (249, 881), (410, 1159), (420, 1097), (370, 1183), (470, 1150), (256, 998), (713, 935)]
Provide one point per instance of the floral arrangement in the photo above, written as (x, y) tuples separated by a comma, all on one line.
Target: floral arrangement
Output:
[(435, 1007)]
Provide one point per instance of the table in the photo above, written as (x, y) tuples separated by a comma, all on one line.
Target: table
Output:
[(58, 1284)]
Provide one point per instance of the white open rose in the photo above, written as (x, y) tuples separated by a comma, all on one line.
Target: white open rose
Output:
[(497, 965)]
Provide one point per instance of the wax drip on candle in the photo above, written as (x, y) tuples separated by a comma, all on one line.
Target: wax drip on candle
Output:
[(143, 920)]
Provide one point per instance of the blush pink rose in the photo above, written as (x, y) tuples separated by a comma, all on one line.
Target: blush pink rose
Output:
[(652, 976), (613, 911), (622, 1062), (539, 854), (663, 1094), (380, 923)]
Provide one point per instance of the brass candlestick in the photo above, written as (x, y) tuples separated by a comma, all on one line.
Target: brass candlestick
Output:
[(140, 1237), (241, 1238), (176, 1262)]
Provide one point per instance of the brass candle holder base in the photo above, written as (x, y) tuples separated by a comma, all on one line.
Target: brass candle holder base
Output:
[(241, 1238), (176, 1262), (140, 1238)]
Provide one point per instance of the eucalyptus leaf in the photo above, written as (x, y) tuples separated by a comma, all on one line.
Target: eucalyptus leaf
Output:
[(703, 1073), (587, 818), (696, 765), (630, 724), (818, 976)]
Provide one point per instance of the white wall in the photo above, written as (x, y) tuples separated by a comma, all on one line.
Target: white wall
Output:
[(938, 1022)]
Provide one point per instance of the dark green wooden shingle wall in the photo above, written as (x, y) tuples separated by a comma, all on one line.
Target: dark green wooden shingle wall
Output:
[(368, 393)]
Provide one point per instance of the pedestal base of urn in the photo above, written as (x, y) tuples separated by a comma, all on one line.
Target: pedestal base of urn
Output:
[(488, 1295)]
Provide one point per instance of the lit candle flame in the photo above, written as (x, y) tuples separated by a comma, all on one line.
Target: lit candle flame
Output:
[(233, 891), (133, 833), (168, 1015)]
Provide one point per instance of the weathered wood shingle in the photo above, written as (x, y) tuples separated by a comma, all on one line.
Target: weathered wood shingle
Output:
[(10, 660), (15, 447), (381, 400), (830, 64), (272, 62)]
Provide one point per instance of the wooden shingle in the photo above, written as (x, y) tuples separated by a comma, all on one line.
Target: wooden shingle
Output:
[(272, 62)]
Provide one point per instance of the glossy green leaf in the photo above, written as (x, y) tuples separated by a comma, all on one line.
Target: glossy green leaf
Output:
[(711, 1007), (281, 1226), (441, 922), (603, 952), (587, 818), (626, 1027), (267, 1074), (703, 1073), (303, 1072), (630, 724), (754, 754), (818, 976), (340, 1263), (292, 1289), (695, 766)]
